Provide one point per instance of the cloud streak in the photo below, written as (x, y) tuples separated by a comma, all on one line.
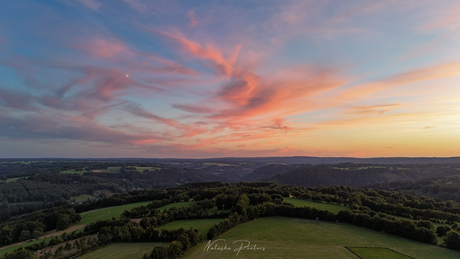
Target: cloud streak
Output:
[(220, 79)]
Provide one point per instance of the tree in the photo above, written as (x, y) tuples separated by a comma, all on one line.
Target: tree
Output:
[(25, 235), (63, 223), (6, 235), (442, 230), (20, 253), (452, 240)]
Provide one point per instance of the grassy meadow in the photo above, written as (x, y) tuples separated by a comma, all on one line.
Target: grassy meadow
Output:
[(107, 213), (322, 206), (283, 237), (377, 253), (176, 204)]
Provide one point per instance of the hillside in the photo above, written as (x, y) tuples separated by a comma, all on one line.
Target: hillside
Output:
[(271, 170), (359, 175)]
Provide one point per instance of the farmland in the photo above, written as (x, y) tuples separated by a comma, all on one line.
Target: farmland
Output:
[(300, 238), (176, 204), (107, 213), (318, 205)]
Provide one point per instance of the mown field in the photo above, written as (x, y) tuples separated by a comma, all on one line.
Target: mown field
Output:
[(283, 237), (377, 253), (201, 224), (122, 251), (318, 205), (107, 213), (176, 204)]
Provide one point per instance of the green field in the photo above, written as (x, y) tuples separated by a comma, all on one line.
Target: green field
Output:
[(12, 180), (73, 172), (318, 205), (377, 253), (284, 237), (201, 224), (12, 248), (110, 169), (107, 213), (176, 204), (83, 197), (122, 251)]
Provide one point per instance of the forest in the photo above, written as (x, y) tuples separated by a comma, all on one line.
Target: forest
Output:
[(395, 213)]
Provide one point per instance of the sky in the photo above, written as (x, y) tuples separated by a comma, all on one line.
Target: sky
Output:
[(204, 79)]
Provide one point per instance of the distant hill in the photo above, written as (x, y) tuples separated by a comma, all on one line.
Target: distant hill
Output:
[(443, 188), (271, 170), (359, 175)]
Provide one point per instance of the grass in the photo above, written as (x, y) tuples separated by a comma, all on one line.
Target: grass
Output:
[(176, 204), (3, 251), (107, 213), (284, 237), (122, 251), (83, 197), (110, 169), (72, 171), (12, 180), (377, 253), (318, 205), (201, 224)]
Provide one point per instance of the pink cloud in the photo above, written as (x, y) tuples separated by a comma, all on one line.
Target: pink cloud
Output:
[(202, 51), (277, 95), (447, 18), (103, 48), (193, 108)]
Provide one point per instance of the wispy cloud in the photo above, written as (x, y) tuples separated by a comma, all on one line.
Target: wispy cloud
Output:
[(91, 4)]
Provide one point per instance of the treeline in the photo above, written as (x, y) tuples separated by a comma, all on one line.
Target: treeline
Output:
[(422, 231), (445, 188), (35, 224), (239, 202), (359, 175), (36, 189)]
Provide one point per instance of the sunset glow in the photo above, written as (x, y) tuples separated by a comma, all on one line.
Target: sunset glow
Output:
[(201, 79)]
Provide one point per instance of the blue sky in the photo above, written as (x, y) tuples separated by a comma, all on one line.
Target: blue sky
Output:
[(195, 79)]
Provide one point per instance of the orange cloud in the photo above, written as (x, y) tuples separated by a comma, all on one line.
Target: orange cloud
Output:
[(415, 76), (206, 51), (252, 96)]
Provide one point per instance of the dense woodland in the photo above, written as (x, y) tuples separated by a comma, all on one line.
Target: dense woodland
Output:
[(235, 204), (37, 197)]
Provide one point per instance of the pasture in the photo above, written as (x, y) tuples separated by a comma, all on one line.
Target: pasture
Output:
[(377, 253), (322, 206), (107, 213), (283, 237), (12, 180), (176, 204)]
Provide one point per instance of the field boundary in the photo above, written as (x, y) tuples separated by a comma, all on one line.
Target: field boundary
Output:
[(350, 248)]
